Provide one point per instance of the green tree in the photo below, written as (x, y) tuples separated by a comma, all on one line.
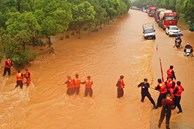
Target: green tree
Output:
[(24, 27), (83, 14)]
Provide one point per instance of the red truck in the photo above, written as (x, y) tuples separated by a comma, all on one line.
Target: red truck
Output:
[(151, 11), (168, 18)]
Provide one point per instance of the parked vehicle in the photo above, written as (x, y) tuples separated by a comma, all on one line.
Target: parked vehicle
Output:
[(167, 18), (173, 31), (157, 14), (151, 11), (149, 31)]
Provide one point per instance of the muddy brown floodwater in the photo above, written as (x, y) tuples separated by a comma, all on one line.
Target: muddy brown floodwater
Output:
[(118, 48)]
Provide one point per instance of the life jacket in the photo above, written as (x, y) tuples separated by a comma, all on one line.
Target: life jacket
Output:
[(88, 83), (70, 83), (77, 82), (122, 84), (180, 90), (169, 84), (19, 77), (169, 72), (163, 88), (8, 64), (167, 103), (27, 74)]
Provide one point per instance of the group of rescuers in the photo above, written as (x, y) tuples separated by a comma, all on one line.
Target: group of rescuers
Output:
[(169, 91), (169, 94), (21, 78)]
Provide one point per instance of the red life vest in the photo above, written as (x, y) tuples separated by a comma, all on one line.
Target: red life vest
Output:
[(88, 83), (122, 84), (27, 74), (77, 82), (8, 64), (163, 88), (70, 83), (169, 72), (169, 84), (19, 77), (180, 90), (168, 102)]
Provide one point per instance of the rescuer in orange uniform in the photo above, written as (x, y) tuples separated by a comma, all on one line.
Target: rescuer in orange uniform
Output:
[(170, 85), (163, 91), (19, 79), (28, 77), (88, 86), (70, 86), (171, 73), (178, 89), (8, 64), (167, 105), (77, 82), (120, 85)]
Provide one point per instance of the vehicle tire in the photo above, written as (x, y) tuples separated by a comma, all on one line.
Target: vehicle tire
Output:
[(154, 37)]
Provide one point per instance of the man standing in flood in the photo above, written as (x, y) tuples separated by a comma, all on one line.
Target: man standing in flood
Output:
[(77, 84), (88, 86), (19, 79), (167, 105), (144, 91), (178, 89), (161, 87), (120, 85), (8, 64), (171, 73), (28, 77), (70, 86)]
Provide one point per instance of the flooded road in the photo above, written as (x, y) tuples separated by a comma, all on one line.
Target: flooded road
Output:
[(117, 49)]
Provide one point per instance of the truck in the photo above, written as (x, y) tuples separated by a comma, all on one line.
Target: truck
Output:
[(167, 18), (157, 14), (151, 11)]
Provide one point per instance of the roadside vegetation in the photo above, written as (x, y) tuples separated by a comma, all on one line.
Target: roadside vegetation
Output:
[(25, 23), (184, 8)]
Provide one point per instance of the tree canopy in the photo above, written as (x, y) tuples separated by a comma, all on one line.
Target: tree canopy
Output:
[(25, 22)]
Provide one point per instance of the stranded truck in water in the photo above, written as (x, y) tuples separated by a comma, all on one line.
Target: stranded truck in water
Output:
[(151, 11), (168, 18)]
